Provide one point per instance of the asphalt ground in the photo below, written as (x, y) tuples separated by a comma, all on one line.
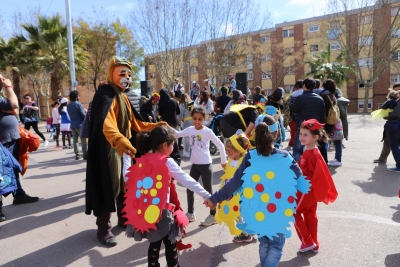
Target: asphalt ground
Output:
[(362, 228)]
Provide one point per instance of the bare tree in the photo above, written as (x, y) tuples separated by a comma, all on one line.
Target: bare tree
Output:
[(369, 31)]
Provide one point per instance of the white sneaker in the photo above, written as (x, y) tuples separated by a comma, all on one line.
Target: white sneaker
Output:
[(210, 220), (333, 160), (191, 217), (186, 155), (46, 143), (335, 164)]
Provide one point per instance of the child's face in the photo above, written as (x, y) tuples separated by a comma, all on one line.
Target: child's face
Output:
[(232, 153), (306, 138), (198, 120)]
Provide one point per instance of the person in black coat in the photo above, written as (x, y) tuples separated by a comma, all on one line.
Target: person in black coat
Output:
[(147, 110), (168, 109)]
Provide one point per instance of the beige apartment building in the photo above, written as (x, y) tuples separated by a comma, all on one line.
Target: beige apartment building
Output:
[(275, 56)]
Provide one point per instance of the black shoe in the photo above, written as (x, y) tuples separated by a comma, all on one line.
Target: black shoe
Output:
[(77, 157), (2, 216), (111, 242), (25, 199)]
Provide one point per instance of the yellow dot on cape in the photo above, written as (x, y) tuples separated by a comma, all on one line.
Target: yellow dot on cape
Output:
[(140, 165), (159, 177), (153, 192), (260, 216), (139, 212), (248, 192), (265, 198), (146, 191), (141, 191), (256, 178), (158, 185), (288, 212), (270, 175), (151, 214)]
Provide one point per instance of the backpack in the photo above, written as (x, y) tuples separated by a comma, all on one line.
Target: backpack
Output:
[(333, 113)]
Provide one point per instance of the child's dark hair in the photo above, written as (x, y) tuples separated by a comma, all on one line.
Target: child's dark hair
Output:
[(199, 110), (60, 108), (329, 85), (320, 132), (146, 141), (264, 137)]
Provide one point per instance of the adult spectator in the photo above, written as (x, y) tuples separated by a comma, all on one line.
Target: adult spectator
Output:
[(133, 98), (386, 145), (298, 90), (307, 106), (318, 89), (147, 109), (204, 101), (343, 103), (168, 109), (276, 98), (177, 86), (111, 122), (9, 137), (237, 98), (194, 91), (77, 115), (208, 87), (223, 100), (21, 107), (257, 95), (56, 121), (232, 82), (394, 136), (30, 112)]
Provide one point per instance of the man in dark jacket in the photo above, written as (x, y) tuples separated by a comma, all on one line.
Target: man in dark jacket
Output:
[(77, 115), (307, 106), (394, 138)]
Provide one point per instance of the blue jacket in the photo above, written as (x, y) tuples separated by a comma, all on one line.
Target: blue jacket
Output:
[(76, 114), (9, 165)]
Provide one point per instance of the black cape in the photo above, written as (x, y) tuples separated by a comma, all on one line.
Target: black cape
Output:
[(99, 191)]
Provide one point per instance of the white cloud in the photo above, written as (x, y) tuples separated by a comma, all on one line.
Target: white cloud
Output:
[(299, 2)]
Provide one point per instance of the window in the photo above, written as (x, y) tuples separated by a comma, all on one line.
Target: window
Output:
[(366, 19), (333, 32), (288, 70), (194, 69), (265, 57), (249, 58), (288, 32), (288, 87), (365, 41), (395, 11), (264, 39), (313, 48), (250, 75), (394, 78), (313, 28), (193, 53), (396, 33), (361, 103), (266, 75), (335, 46), (396, 56), (365, 62), (288, 50), (232, 46), (210, 48)]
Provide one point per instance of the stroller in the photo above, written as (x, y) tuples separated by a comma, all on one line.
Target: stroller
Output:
[(215, 127)]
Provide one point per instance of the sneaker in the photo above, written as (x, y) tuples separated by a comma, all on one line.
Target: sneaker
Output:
[(210, 220), (25, 199), (316, 249), (186, 155), (191, 217), (304, 248), (46, 143), (379, 161), (77, 157), (394, 169), (65, 147), (243, 238), (335, 164), (70, 147), (333, 160), (343, 146), (2, 216)]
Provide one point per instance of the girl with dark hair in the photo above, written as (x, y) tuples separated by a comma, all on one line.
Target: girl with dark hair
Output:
[(236, 99), (204, 101), (168, 109), (155, 147), (65, 125), (56, 121), (185, 106), (272, 175)]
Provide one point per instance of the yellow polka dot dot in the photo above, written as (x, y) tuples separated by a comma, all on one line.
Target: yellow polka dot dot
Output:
[(151, 214), (153, 192), (140, 165), (139, 212), (265, 198), (158, 185), (141, 191), (256, 178), (146, 191), (270, 175), (159, 177), (248, 192), (288, 212), (260, 216)]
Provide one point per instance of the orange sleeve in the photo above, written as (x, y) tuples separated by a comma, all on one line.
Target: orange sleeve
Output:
[(110, 126)]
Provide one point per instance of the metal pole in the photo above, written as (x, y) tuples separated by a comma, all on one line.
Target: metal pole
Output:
[(88, 82), (70, 47), (188, 65)]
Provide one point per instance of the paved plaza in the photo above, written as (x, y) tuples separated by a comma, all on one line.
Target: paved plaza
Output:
[(362, 228)]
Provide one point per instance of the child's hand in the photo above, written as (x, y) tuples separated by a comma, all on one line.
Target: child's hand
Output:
[(209, 204), (223, 165)]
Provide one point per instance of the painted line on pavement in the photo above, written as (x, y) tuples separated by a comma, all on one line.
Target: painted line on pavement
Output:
[(358, 216)]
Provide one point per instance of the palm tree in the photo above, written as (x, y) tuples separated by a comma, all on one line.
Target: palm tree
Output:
[(322, 67), (12, 55), (49, 39)]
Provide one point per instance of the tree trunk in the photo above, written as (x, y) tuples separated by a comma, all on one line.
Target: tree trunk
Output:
[(366, 97), (16, 85), (55, 85)]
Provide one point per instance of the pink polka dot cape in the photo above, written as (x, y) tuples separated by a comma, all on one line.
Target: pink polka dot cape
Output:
[(268, 199)]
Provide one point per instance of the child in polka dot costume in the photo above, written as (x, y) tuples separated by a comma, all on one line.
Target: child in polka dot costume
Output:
[(152, 208), (268, 179)]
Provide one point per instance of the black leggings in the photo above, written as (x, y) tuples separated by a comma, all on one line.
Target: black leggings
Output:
[(34, 125), (57, 133), (206, 173), (171, 253)]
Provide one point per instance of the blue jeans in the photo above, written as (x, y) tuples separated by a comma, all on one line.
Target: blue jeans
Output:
[(297, 147), (271, 250), (338, 150), (394, 140)]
